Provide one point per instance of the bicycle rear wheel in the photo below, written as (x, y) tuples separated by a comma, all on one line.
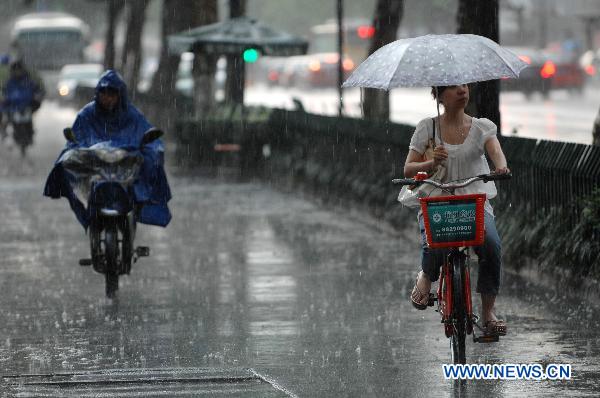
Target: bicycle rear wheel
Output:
[(459, 311)]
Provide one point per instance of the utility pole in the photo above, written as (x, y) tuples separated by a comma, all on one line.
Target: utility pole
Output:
[(236, 79)]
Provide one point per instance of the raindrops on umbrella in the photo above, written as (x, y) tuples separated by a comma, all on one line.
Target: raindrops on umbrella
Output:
[(436, 60)]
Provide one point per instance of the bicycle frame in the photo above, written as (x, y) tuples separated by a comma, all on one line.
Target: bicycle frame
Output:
[(455, 222)]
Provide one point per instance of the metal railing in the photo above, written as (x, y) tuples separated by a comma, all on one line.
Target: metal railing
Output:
[(547, 175)]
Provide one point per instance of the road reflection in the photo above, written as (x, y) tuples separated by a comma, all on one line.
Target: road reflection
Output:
[(314, 297)]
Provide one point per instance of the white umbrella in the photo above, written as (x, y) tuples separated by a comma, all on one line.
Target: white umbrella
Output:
[(436, 60)]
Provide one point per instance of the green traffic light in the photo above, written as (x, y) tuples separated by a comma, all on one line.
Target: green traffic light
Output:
[(250, 55)]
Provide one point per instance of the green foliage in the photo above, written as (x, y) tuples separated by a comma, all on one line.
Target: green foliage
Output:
[(233, 113), (553, 241), (591, 209)]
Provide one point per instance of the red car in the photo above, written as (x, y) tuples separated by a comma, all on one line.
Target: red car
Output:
[(568, 75), (536, 77)]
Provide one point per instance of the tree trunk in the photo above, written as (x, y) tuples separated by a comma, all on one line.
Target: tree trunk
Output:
[(234, 85), (481, 18), (113, 10), (163, 81), (131, 56), (177, 17), (388, 13), (205, 65), (596, 131)]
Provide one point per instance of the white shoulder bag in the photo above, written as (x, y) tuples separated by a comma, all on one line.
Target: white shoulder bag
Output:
[(409, 195)]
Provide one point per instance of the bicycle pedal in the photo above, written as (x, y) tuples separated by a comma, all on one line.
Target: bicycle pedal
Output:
[(486, 338), (432, 300), (142, 251), (85, 262)]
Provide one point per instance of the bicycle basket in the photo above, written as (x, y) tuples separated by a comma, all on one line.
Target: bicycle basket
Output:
[(452, 221)]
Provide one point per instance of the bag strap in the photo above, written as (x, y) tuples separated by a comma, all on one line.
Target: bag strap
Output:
[(433, 136)]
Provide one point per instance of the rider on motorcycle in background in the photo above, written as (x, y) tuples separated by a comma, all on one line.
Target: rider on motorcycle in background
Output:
[(111, 118), (22, 95)]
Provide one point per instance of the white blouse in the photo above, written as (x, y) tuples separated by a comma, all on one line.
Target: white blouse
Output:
[(464, 160)]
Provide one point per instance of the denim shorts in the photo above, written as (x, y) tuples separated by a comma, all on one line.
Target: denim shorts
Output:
[(489, 254)]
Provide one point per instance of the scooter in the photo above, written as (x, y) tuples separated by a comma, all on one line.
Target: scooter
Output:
[(103, 176), (21, 121)]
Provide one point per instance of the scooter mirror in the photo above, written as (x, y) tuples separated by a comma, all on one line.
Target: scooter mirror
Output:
[(151, 135), (69, 135)]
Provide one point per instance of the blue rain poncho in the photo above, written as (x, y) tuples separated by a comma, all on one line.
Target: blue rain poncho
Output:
[(124, 127), (21, 92)]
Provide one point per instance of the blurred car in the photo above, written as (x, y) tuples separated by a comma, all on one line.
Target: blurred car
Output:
[(314, 70), (537, 77), (569, 74), (272, 69), (184, 84), (590, 63), (147, 70), (76, 80), (323, 69), (294, 71)]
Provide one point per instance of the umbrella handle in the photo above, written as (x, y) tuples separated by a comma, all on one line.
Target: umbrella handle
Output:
[(437, 100)]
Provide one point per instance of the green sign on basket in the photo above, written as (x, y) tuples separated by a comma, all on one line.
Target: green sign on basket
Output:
[(452, 221)]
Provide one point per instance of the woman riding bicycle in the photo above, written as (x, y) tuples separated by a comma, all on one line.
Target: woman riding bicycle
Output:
[(461, 150)]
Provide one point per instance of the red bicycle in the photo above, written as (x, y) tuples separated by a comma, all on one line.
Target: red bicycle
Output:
[(455, 222)]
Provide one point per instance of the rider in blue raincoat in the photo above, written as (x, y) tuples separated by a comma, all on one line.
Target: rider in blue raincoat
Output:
[(21, 90), (111, 117)]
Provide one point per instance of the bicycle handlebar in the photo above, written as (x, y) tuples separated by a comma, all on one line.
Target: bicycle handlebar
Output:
[(445, 186), (404, 181), (495, 177)]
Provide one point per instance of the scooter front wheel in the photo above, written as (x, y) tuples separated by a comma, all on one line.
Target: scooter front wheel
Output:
[(111, 252), (112, 284), (23, 136)]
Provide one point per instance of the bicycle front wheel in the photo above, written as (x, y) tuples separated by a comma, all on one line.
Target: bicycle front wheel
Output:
[(459, 311)]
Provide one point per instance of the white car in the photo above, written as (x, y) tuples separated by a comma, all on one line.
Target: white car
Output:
[(184, 85), (73, 76)]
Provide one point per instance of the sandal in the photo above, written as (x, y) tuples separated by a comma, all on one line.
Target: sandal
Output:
[(495, 327), (417, 297)]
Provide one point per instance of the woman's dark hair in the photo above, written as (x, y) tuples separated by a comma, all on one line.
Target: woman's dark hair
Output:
[(440, 90)]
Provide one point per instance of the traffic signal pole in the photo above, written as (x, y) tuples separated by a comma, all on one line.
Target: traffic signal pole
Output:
[(340, 15), (236, 79)]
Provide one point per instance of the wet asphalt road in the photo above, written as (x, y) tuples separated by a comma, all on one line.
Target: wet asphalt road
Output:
[(249, 292)]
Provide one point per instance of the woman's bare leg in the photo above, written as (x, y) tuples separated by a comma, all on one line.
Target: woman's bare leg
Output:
[(424, 286), (487, 307)]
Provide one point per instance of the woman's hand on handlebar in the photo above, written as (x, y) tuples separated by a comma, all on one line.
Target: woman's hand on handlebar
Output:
[(439, 155), (501, 170), (501, 173)]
